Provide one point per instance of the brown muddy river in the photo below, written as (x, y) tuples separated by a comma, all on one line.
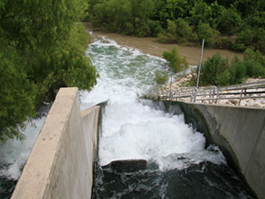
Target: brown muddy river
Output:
[(149, 45)]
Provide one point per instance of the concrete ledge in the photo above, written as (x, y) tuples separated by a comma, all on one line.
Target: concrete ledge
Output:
[(61, 162)]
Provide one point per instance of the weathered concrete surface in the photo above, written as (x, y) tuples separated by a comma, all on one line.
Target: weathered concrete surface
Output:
[(61, 162), (244, 131)]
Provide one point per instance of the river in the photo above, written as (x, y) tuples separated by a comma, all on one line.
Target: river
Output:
[(177, 159), (150, 45), (178, 165)]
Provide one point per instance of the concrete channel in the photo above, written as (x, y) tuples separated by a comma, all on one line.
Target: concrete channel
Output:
[(61, 162)]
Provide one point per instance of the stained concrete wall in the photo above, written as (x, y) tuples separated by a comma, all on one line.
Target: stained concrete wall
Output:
[(244, 131), (61, 162)]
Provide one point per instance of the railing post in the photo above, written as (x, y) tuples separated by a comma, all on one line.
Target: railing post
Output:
[(214, 88), (217, 96), (195, 94), (199, 70), (210, 93), (170, 95), (240, 98)]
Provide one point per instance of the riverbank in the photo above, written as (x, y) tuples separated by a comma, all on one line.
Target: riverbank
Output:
[(150, 45)]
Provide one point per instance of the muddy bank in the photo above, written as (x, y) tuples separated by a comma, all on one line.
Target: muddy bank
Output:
[(149, 45)]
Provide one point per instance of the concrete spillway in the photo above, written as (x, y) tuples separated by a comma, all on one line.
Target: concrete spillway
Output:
[(61, 162)]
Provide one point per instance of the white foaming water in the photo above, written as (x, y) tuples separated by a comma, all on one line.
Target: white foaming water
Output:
[(131, 130), (14, 153)]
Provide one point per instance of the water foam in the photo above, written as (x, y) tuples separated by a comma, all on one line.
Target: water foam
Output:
[(14, 153), (131, 130)]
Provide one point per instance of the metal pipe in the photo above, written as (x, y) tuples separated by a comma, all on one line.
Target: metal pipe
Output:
[(199, 71)]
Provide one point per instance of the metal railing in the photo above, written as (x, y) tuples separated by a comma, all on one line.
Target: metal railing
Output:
[(214, 94)]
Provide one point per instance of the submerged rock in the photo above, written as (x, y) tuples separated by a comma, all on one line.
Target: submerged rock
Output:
[(126, 165)]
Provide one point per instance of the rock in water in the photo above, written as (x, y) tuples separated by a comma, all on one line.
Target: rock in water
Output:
[(127, 165)]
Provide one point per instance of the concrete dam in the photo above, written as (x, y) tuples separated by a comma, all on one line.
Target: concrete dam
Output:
[(61, 162)]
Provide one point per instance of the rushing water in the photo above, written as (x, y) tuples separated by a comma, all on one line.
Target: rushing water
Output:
[(14, 154), (174, 162), (177, 163)]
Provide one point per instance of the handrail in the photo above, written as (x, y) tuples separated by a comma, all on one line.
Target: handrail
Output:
[(214, 94)]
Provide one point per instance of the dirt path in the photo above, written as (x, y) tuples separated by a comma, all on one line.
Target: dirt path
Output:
[(149, 45)]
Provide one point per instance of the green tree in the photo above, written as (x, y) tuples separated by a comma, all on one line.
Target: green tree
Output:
[(205, 31), (178, 31), (184, 31), (213, 71), (240, 22), (250, 38), (41, 43), (177, 8), (254, 69), (169, 36), (17, 95), (176, 63), (238, 72), (228, 21), (254, 56), (161, 77), (200, 13), (124, 16)]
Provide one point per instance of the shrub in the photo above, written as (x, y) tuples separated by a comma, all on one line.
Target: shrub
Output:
[(228, 21), (184, 31), (161, 77), (176, 63), (254, 69), (251, 55), (213, 68), (155, 27), (210, 35), (225, 43), (224, 78), (238, 72), (250, 38), (216, 70), (169, 36), (177, 31)]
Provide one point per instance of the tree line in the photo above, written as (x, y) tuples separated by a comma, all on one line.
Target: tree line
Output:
[(220, 72), (237, 25), (42, 48), (233, 24)]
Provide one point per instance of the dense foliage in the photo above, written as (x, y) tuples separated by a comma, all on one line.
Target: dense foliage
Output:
[(234, 24), (176, 63), (42, 47), (217, 70)]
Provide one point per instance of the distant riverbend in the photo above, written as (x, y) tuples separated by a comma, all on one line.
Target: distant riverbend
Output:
[(150, 45)]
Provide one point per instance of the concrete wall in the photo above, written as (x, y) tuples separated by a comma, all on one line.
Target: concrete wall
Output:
[(61, 162), (244, 130)]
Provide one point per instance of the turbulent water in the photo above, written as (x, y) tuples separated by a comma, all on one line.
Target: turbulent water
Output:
[(14, 154), (174, 161), (174, 151), (132, 130)]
